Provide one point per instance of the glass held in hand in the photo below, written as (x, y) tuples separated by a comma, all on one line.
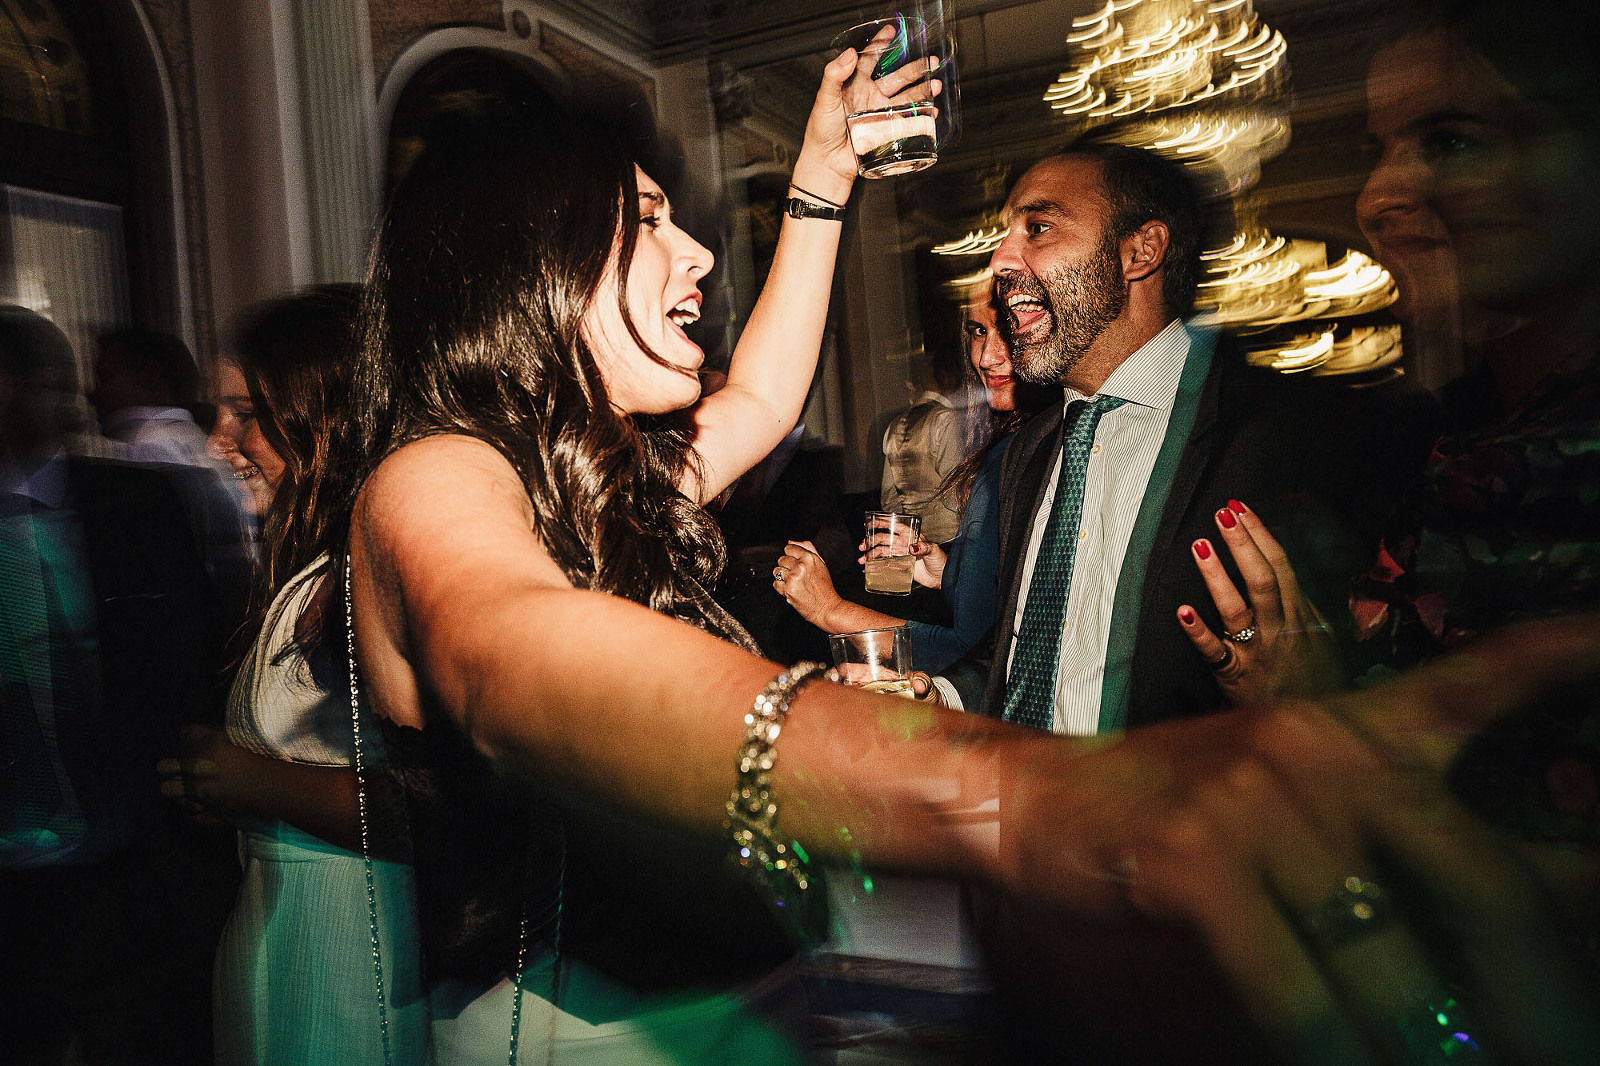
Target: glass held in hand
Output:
[(890, 560), (878, 660), (894, 124)]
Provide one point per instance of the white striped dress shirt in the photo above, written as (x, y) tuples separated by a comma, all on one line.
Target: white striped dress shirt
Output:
[(1126, 444)]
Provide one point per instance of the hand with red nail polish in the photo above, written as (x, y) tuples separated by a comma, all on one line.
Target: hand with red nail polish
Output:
[(1273, 642)]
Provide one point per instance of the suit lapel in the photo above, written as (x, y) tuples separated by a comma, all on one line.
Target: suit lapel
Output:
[(1197, 457), (1179, 465)]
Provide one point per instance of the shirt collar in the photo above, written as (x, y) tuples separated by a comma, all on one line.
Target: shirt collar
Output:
[(45, 484), (145, 414), (1149, 377)]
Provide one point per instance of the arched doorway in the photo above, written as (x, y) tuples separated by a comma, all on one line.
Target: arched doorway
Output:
[(459, 86)]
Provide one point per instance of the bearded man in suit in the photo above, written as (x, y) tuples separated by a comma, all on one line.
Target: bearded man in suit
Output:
[(1109, 500), (1113, 507), (111, 636)]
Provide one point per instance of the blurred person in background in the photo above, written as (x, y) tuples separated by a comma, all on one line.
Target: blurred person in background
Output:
[(110, 639), (924, 444), (1490, 133), (1487, 138), (236, 431), (965, 569), (146, 390), (146, 386), (294, 973)]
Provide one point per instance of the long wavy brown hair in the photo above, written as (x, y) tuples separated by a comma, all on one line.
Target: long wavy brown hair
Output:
[(297, 354), (491, 251)]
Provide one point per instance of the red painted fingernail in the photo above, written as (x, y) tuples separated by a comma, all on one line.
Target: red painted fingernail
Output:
[(1225, 516), (1236, 507), (1202, 548), (1187, 616)]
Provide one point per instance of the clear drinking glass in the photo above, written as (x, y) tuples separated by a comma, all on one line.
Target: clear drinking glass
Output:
[(900, 96), (889, 562), (878, 660)]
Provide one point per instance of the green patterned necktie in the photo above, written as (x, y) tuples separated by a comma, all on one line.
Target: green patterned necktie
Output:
[(1031, 686)]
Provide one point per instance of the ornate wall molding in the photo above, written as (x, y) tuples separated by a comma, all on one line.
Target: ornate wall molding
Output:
[(595, 76), (397, 23), (335, 98)]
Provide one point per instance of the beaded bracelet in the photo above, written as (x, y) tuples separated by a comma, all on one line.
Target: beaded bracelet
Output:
[(753, 809)]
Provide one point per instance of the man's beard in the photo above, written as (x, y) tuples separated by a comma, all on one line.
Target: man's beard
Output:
[(1082, 301)]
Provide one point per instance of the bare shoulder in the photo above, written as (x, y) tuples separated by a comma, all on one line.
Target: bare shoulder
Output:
[(430, 486), (448, 503), (447, 468)]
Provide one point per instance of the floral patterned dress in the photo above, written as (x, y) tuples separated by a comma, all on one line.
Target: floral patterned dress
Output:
[(1505, 526)]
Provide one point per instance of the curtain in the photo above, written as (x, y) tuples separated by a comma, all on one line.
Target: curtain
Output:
[(65, 258)]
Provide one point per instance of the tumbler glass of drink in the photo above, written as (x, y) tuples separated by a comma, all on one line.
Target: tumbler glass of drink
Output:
[(889, 538), (878, 660), (897, 95)]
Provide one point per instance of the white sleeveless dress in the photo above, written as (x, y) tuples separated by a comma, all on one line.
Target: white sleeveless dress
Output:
[(295, 981)]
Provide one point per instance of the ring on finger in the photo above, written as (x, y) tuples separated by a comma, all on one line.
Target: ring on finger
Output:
[(1223, 661), (1355, 910), (1241, 636), (779, 573)]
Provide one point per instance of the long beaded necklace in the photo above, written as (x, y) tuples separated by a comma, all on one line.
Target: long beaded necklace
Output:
[(361, 810), (372, 896)]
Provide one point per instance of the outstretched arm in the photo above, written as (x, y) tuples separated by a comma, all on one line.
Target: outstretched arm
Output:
[(609, 700), (1228, 822), (776, 356), (1362, 913)]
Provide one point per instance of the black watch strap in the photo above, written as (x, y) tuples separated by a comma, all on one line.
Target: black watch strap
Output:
[(795, 207)]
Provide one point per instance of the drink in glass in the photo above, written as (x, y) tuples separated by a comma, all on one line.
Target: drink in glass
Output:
[(891, 574), (889, 564), (894, 140), (896, 98), (878, 660)]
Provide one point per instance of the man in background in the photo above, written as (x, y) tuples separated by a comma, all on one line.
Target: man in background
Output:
[(110, 640)]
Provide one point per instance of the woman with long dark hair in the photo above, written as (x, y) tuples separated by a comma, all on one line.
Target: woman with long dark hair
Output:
[(294, 983), (526, 388)]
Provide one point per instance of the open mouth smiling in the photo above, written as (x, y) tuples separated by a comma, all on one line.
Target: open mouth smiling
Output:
[(1027, 311), (685, 312)]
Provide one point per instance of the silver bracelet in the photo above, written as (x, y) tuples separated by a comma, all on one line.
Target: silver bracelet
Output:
[(753, 809)]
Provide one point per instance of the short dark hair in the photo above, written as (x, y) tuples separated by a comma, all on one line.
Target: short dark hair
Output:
[(36, 358), (1141, 186), (169, 355)]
